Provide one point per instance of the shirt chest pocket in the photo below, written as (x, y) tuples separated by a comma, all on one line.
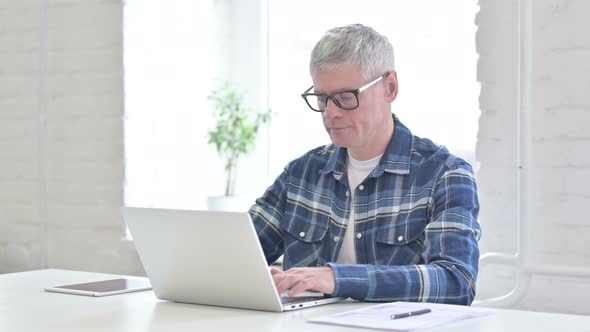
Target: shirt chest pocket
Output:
[(400, 240), (304, 239)]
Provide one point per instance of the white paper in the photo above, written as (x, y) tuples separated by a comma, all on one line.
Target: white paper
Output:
[(379, 316)]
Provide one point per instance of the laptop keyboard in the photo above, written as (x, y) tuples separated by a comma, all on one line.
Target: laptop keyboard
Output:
[(299, 299)]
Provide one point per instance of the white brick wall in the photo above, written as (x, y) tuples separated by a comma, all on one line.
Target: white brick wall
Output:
[(19, 234), (61, 180), (559, 143)]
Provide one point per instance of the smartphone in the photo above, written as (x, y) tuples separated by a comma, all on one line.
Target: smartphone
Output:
[(104, 287)]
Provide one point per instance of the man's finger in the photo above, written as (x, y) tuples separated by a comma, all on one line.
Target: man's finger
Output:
[(285, 281), (301, 286)]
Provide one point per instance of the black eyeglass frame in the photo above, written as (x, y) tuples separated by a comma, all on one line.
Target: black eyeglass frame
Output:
[(355, 92)]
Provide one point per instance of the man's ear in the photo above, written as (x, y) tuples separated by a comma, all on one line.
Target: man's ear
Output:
[(391, 86)]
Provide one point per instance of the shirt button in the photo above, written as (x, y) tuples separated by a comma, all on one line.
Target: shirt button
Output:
[(361, 187), (400, 238), (359, 235), (347, 193), (302, 234), (336, 238)]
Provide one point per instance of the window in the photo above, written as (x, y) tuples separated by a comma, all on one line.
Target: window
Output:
[(173, 58), (177, 51)]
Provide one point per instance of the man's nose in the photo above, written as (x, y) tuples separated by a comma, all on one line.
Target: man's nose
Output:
[(331, 110)]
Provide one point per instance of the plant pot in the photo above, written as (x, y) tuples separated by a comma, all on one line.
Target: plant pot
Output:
[(229, 203)]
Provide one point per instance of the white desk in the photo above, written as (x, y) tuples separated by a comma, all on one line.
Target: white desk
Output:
[(24, 306)]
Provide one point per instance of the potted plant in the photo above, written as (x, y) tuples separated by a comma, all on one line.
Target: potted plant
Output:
[(234, 135)]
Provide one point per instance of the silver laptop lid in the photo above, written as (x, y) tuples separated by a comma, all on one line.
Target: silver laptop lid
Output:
[(203, 257)]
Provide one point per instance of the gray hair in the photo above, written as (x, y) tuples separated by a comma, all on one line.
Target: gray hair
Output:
[(353, 44)]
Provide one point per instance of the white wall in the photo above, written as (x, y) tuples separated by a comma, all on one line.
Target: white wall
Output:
[(61, 137), (555, 161), (61, 141)]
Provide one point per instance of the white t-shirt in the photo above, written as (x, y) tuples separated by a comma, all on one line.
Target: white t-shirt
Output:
[(357, 171)]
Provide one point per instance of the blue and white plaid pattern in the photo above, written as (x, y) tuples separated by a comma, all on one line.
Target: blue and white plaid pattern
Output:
[(416, 230)]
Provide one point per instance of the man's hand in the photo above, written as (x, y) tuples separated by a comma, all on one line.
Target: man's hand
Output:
[(300, 279)]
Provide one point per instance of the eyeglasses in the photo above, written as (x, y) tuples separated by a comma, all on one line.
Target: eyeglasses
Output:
[(347, 100)]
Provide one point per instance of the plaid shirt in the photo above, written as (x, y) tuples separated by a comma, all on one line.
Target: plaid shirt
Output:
[(415, 223)]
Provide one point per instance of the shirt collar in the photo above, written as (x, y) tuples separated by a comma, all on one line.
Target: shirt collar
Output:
[(395, 159)]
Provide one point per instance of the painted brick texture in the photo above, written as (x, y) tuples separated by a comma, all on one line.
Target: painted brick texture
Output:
[(559, 171), (61, 137)]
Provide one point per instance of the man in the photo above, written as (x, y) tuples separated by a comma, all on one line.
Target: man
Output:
[(379, 214)]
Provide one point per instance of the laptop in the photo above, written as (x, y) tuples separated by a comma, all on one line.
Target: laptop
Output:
[(210, 258)]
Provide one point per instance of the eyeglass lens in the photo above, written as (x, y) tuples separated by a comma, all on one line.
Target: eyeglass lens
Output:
[(344, 100)]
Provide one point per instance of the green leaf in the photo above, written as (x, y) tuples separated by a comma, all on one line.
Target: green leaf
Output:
[(234, 134)]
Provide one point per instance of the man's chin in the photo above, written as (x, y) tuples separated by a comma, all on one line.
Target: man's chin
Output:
[(339, 142), (340, 138)]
